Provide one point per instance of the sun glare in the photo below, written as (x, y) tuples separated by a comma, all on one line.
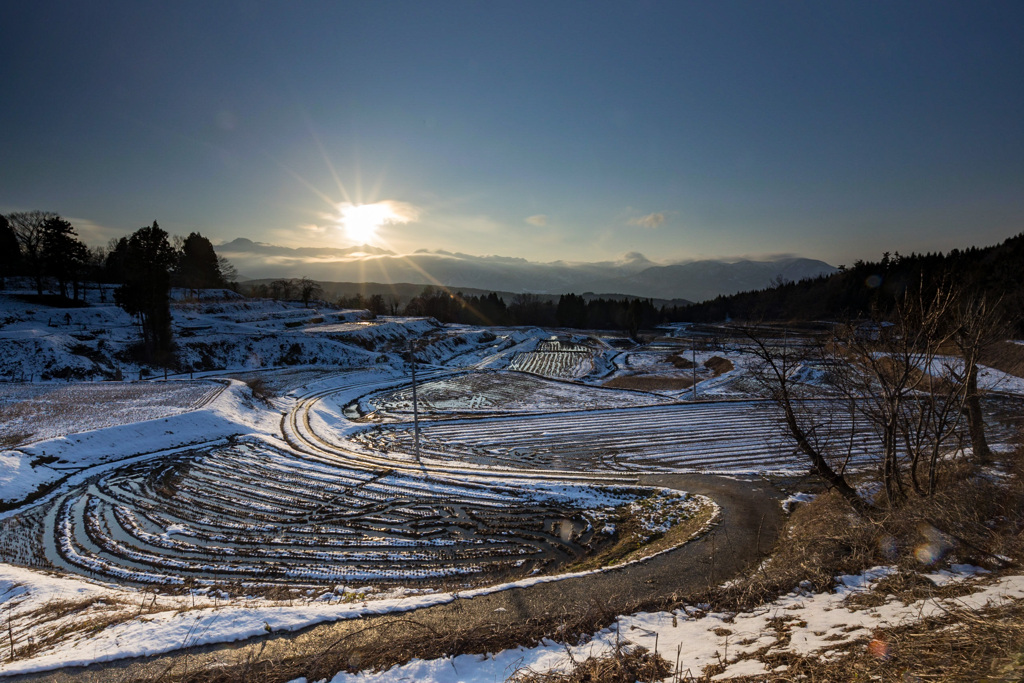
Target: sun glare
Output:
[(361, 221)]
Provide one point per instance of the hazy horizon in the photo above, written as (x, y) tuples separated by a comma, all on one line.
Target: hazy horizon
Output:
[(575, 133)]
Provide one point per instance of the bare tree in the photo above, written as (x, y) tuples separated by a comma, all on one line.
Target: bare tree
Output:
[(810, 429), (228, 272), (892, 388), (905, 389), (10, 251), (977, 324), (309, 290), (28, 228), (282, 289)]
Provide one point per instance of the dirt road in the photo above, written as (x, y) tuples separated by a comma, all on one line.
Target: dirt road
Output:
[(747, 528)]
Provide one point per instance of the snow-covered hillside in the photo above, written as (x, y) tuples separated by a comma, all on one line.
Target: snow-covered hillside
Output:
[(218, 332)]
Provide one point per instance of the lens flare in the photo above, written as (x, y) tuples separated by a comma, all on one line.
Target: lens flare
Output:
[(362, 221)]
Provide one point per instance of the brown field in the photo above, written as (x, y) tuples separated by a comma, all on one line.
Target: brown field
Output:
[(649, 383), (719, 365), (1007, 356)]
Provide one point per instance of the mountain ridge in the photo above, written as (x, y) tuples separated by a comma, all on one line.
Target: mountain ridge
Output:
[(634, 275)]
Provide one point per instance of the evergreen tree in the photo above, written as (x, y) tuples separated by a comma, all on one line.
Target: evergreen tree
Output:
[(198, 265), (10, 252), (148, 262), (64, 256), (571, 311), (114, 267)]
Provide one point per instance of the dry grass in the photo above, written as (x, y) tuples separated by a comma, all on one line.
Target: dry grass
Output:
[(58, 620), (962, 645), (680, 362), (667, 382), (971, 519), (626, 665), (381, 646), (260, 389), (719, 365), (650, 383), (627, 546), (1006, 356), (14, 438)]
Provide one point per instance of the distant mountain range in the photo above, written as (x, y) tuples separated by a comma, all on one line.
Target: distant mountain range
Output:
[(634, 275)]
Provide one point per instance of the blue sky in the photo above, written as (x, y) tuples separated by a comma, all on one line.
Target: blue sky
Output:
[(572, 131)]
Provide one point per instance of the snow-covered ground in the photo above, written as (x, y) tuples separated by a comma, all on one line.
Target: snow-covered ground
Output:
[(103, 458), (693, 639), (45, 410), (78, 454)]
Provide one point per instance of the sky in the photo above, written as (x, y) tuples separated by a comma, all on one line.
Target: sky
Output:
[(577, 131)]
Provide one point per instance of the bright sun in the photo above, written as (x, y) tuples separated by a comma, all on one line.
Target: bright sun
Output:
[(361, 221)]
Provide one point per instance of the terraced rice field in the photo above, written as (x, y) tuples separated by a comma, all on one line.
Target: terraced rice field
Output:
[(560, 360), (43, 411), (249, 514), (491, 392), (710, 437)]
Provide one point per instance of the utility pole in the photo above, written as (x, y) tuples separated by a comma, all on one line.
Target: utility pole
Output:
[(693, 348), (415, 403)]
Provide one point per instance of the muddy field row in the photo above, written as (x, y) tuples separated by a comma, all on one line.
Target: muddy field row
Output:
[(248, 514), (709, 437)]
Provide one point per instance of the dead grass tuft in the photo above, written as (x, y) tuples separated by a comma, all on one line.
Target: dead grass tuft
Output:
[(962, 645), (61, 619), (626, 665), (973, 519)]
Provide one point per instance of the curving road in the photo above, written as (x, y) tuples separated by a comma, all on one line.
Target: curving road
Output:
[(747, 528)]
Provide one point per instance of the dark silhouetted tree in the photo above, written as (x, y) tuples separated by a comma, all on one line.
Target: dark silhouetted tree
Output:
[(10, 252), (282, 289), (148, 261), (28, 228), (228, 273), (198, 267), (114, 266), (376, 304), (571, 311), (64, 256), (309, 290)]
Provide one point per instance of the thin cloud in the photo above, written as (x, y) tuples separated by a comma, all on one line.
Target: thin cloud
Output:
[(540, 220), (91, 232), (651, 220), (384, 212)]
